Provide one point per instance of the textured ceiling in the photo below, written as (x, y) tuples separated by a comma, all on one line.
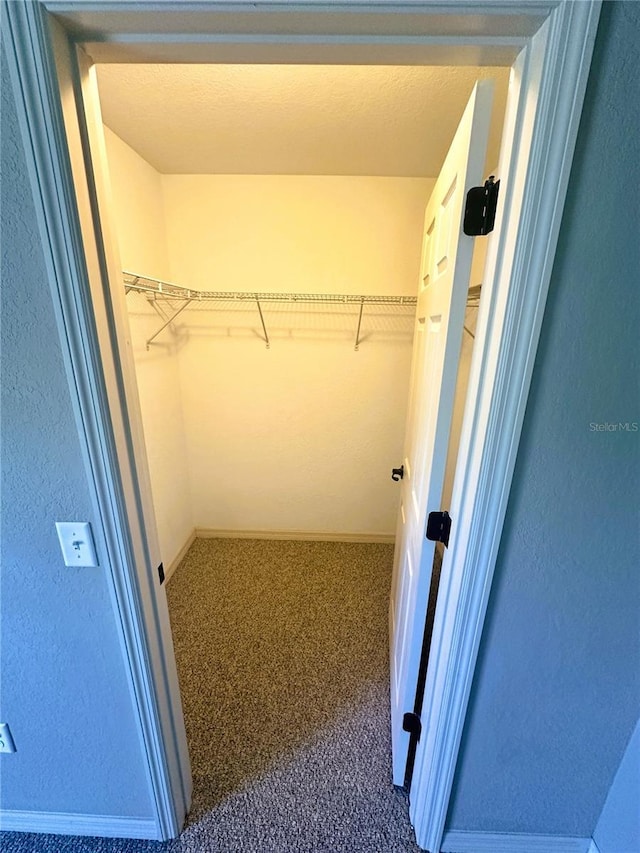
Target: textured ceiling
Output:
[(293, 119)]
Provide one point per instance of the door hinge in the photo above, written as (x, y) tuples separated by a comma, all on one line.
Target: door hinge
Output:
[(161, 573), (439, 527), (411, 723), (480, 208), (397, 473)]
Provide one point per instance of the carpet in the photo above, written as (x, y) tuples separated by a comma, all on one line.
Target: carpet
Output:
[(282, 654)]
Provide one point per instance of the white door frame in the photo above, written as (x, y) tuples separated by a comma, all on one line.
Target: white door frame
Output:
[(550, 45)]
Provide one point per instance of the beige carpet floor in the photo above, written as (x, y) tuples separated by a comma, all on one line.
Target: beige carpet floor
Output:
[(282, 652)]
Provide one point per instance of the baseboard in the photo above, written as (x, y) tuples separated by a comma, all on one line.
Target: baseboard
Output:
[(173, 565), (296, 535), (102, 826), (458, 841), (593, 847)]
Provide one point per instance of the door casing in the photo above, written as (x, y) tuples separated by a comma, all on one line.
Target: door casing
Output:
[(549, 45)]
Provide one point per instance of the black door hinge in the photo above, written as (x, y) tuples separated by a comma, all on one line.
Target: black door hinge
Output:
[(439, 527), (480, 208), (161, 573), (397, 473), (411, 723)]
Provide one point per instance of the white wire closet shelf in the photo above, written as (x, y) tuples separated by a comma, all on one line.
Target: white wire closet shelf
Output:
[(156, 289)]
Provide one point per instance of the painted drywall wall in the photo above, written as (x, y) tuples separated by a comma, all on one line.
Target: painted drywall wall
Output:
[(557, 688), (618, 829), (314, 234), (138, 214), (64, 687), (138, 210), (301, 436)]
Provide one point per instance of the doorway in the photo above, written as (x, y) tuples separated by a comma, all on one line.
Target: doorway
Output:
[(264, 420), (556, 49), (298, 439)]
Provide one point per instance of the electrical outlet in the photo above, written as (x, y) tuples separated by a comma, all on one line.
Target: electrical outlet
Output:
[(6, 739), (76, 543)]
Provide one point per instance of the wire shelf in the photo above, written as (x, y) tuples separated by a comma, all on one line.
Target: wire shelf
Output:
[(157, 290)]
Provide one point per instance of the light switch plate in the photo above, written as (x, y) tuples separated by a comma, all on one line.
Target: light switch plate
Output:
[(76, 542)]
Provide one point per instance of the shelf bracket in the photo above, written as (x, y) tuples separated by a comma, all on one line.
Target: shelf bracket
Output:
[(170, 320), (264, 328), (357, 346), (127, 290)]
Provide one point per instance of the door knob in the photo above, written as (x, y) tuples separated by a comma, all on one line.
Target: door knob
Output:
[(397, 473)]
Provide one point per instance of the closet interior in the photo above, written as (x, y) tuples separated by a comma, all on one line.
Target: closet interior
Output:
[(269, 224)]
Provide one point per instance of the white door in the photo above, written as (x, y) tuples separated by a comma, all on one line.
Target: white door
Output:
[(444, 280)]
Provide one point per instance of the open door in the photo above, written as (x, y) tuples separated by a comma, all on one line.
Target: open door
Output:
[(442, 295)]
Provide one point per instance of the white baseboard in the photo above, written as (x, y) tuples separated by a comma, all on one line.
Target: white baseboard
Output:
[(296, 535), (458, 841), (56, 823), (173, 565)]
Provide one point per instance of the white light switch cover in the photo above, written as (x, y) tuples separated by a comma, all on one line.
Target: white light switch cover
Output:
[(76, 542)]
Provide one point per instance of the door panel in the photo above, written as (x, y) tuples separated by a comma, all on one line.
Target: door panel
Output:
[(442, 292)]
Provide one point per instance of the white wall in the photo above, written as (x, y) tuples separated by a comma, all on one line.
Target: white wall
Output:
[(295, 232), (302, 436), (139, 222), (138, 208)]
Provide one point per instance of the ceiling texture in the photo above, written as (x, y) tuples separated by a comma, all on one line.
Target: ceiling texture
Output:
[(294, 119)]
